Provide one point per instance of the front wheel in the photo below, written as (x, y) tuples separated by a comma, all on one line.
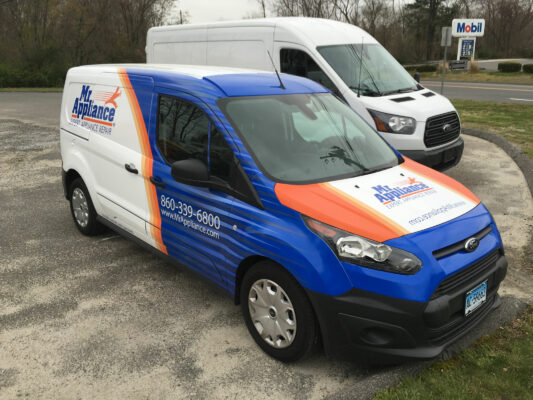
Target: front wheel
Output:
[(277, 312)]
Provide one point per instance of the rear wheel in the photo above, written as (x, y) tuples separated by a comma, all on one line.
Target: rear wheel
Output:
[(277, 312), (82, 209)]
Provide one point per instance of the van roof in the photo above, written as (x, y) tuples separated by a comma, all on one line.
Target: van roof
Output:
[(314, 31), (218, 81)]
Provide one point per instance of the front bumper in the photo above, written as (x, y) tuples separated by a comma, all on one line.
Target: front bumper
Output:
[(371, 327), (439, 159)]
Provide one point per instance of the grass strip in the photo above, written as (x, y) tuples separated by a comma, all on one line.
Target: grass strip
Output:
[(482, 76), (497, 366), (513, 121)]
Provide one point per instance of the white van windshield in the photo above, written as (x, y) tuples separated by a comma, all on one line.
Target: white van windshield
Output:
[(306, 138), (380, 73)]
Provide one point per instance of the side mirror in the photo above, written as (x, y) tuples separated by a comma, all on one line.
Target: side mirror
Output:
[(191, 172)]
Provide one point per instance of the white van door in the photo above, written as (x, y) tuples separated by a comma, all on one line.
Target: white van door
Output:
[(117, 155)]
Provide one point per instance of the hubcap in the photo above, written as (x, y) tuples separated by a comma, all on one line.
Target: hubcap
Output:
[(80, 207), (272, 313)]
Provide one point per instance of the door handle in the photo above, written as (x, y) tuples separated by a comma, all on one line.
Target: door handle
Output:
[(131, 168), (157, 182)]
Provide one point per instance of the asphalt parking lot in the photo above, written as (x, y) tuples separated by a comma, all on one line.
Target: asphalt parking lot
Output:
[(102, 318)]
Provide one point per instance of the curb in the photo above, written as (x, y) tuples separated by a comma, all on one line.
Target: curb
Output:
[(521, 159)]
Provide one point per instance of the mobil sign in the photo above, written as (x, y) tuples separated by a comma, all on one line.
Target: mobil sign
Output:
[(467, 27)]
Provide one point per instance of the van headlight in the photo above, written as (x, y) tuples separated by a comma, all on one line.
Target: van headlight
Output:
[(365, 252), (393, 123)]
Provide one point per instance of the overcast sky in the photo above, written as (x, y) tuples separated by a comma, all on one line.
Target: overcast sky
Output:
[(218, 10)]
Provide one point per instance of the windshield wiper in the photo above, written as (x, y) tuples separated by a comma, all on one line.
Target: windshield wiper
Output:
[(405, 90), (367, 171), (367, 91)]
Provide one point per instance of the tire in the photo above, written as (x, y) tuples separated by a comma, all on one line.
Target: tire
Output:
[(82, 209), (270, 294)]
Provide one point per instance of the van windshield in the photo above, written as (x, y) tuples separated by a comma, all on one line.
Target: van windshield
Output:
[(380, 73), (307, 138)]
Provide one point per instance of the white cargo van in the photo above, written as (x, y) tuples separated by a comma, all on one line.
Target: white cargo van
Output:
[(418, 122)]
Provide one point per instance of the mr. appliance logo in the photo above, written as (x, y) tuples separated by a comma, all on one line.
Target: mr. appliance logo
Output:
[(91, 115), (401, 192)]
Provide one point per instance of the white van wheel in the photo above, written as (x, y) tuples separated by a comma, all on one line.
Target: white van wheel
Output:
[(82, 209)]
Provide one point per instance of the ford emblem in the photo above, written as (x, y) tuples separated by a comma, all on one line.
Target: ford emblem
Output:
[(446, 128), (471, 244)]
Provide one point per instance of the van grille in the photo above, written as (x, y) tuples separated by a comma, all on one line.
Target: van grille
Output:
[(434, 134), (466, 276), (460, 245)]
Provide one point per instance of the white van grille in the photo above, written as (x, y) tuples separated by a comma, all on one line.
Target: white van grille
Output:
[(435, 135)]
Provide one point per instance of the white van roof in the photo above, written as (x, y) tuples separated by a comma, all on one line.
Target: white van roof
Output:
[(314, 31), (196, 71)]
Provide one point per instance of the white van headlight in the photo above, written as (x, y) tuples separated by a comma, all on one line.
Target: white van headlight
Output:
[(393, 123), (365, 252)]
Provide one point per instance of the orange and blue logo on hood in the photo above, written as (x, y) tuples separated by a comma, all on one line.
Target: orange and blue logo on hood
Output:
[(385, 205)]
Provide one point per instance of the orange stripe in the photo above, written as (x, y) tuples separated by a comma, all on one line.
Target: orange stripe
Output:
[(147, 160), (410, 194), (440, 179), (324, 203), (369, 210), (98, 121)]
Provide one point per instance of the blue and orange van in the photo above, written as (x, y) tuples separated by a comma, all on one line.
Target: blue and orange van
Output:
[(281, 194)]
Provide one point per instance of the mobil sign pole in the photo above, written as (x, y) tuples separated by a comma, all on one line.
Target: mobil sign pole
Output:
[(467, 29), (445, 41)]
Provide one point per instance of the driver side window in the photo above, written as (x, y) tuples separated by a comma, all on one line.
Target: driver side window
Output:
[(185, 131), (298, 62)]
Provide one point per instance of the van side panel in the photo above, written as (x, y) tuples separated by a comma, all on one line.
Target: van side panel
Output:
[(240, 46), (102, 128), (181, 45)]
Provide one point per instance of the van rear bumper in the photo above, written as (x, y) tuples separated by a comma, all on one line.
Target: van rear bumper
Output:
[(64, 183), (366, 326), (440, 159)]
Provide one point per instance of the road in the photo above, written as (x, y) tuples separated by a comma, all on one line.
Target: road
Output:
[(102, 318), (495, 92)]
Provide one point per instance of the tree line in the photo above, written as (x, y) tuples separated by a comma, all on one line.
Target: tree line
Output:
[(41, 39)]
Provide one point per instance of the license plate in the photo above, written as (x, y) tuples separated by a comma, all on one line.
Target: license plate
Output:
[(475, 297)]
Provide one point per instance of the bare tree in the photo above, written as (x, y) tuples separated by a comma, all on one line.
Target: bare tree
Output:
[(263, 5)]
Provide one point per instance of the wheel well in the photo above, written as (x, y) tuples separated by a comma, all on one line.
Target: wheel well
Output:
[(244, 266), (69, 178)]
